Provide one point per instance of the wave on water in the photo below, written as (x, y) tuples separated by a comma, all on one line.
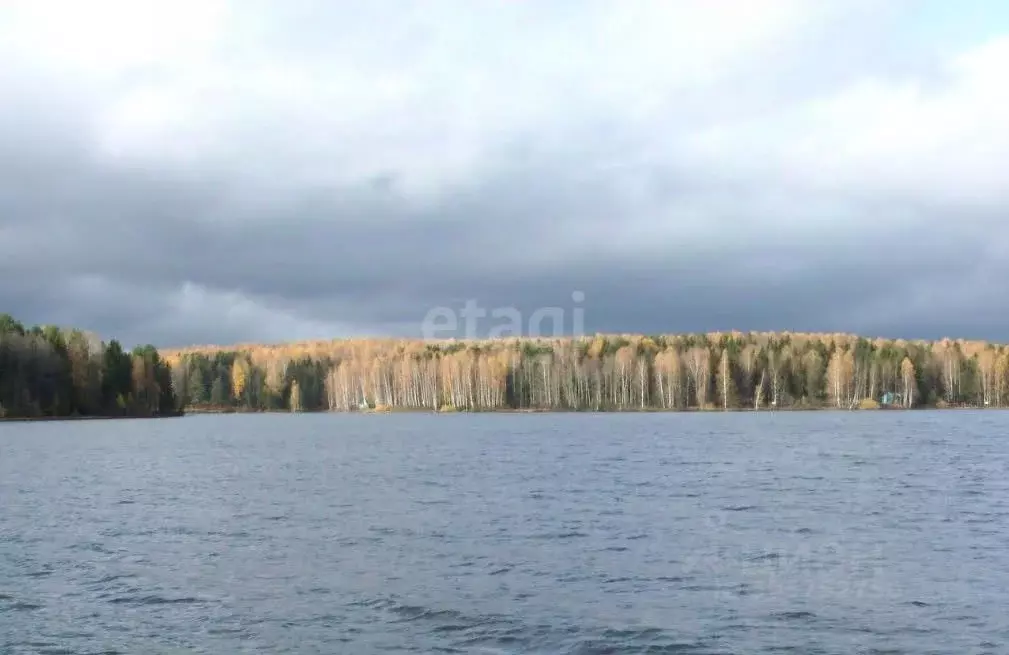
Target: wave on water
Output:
[(461, 632), (574, 535)]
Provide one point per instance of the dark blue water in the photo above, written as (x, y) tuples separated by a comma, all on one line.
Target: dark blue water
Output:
[(589, 534)]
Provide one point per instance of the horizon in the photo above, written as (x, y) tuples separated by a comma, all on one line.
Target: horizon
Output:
[(241, 346), (96, 338)]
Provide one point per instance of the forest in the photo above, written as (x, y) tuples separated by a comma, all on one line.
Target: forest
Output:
[(50, 372), (46, 371), (714, 371)]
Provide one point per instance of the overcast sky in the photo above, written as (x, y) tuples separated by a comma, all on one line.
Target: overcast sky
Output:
[(201, 171)]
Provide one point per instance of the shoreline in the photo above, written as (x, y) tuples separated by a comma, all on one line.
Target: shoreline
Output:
[(689, 410), (408, 410), (35, 419)]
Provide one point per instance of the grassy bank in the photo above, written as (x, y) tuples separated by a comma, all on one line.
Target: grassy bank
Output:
[(647, 410)]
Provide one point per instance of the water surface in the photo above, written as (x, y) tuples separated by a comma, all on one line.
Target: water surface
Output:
[(558, 533)]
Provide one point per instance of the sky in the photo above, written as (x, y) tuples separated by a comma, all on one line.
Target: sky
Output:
[(206, 171)]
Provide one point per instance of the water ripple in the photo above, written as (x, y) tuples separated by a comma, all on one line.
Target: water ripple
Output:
[(574, 534)]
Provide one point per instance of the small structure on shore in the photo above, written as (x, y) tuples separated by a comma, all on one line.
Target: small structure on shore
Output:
[(891, 399)]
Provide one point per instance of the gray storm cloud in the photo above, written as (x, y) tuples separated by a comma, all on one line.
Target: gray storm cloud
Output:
[(207, 172)]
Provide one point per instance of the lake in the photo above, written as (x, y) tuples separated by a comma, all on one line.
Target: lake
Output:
[(819, 532)]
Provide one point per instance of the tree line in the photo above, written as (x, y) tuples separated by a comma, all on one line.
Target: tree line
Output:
[(46, 371), (715, 371)]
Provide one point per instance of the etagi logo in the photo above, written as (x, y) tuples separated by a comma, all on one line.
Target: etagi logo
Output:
[(465, 323)]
